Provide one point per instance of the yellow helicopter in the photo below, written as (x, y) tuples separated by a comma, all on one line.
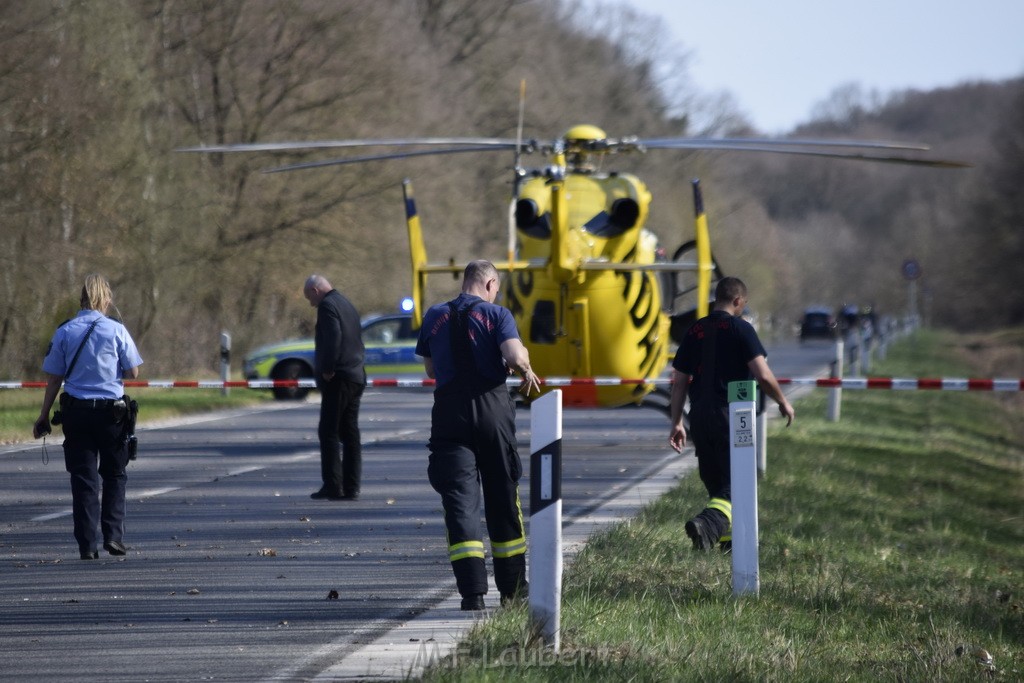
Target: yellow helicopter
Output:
[(584, 275), (592, 293)]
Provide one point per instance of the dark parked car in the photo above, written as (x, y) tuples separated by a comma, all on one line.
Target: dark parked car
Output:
[(817, 323), (390, 345)]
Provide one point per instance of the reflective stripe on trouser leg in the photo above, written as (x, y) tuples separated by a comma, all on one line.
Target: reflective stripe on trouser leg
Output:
[(509, 548), (461, 551), (467, 560), (509, 565), (725, 507), (516, 546)]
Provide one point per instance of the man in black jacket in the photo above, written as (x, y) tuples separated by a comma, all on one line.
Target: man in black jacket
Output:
[(340, 378)]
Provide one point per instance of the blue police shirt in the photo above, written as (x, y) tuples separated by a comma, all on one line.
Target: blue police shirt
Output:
[(490, 325), (108, 353)]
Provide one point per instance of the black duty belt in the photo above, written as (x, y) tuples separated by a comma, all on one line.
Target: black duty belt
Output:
[(68, 401)]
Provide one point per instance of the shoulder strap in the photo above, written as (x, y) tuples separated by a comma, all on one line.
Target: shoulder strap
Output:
[(462, 350), (79, 351)]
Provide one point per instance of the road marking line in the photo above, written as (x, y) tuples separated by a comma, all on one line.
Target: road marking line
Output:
[(52, 515)]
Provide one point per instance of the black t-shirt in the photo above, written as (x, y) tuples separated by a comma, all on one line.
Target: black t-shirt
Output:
[(736, 344)]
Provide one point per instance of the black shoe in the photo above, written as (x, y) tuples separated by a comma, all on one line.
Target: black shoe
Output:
[(350, 496), (473, 603), (697, 530), (323, 494), (90, 555), (115, 548)]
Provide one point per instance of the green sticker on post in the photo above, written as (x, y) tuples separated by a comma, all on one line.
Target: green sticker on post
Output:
[(741, 392)]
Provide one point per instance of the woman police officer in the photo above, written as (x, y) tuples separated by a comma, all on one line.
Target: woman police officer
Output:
[(90, 354)]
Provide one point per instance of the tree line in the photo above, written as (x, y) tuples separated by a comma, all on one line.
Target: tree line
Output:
[(850, 226), (95, 96)]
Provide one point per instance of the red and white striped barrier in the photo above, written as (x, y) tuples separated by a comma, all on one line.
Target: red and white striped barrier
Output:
[(911, 383), (894, 383)]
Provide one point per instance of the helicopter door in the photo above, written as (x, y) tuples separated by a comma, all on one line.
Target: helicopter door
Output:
[(543, 323)]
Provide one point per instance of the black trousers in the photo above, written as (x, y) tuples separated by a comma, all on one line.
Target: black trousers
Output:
[(95, 452), (473, 449), (341, 449), (709, 429)]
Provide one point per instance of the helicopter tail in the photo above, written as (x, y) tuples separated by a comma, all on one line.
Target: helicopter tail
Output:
[(417, 252)]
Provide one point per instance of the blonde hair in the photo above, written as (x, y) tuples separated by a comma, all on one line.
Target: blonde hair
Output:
[(96, 293)]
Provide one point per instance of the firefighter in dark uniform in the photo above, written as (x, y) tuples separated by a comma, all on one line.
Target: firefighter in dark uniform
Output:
[(90, 354), (469, 345), (718, 349)]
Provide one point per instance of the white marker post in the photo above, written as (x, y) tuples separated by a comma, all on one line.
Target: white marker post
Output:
[(546, 517), (225, 361), (835, 394), (743, 467)]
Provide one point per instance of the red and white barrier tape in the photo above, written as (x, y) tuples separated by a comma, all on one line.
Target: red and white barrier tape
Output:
[(894, 383), (912, 383)]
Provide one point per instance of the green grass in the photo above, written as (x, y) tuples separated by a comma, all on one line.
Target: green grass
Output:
[(891, 549), (19, 408)]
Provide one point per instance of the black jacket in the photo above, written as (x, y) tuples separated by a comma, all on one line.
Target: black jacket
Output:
[(339, 341)]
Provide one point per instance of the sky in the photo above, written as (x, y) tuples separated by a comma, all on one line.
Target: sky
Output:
[(779, 58)]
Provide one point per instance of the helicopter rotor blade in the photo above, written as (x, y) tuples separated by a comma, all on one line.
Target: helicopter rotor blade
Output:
[(842, 149), (497, 143), (837, 149), (892, 159), (741, 143), (382, 157)]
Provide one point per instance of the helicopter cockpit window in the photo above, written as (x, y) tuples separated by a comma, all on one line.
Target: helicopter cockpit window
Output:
[(542, 325), (529, 220), (623, 216)]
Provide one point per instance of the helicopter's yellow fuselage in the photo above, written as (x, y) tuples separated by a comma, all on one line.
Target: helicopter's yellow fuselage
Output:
[(589, 313)]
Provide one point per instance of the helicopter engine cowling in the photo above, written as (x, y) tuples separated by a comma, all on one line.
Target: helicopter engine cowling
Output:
[(625, 212), (530, 221)]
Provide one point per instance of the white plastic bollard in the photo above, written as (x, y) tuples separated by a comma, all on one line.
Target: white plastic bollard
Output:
[(869, 352), (225, 360), (861, 356), (835, 394), (742, 457), (546, 517)]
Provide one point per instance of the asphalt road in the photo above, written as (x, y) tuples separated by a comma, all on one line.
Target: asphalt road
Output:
[(230, 563)]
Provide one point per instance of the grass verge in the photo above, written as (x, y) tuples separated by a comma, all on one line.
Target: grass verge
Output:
[(892, 548)]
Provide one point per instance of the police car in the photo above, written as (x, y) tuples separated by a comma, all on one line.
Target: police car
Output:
[(390, 345)]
